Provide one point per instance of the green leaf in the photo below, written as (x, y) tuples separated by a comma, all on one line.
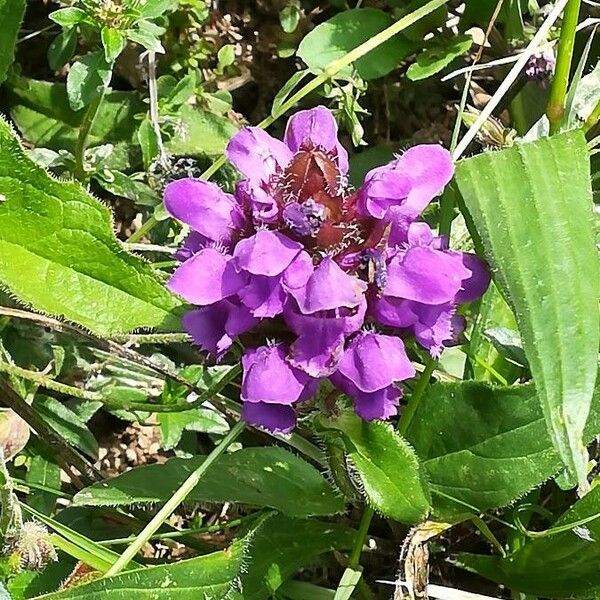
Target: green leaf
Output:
[(149, 142), (123, 185), (145, 39), (58, 253), (70, 16), (47, 473), (200, 132), (532, 207), (285, 91), (345, 31), (172, 425), (66, 423), (11, 16), (289, 18), (485, 446), (151, 9), (225, 56), (86, 78), (282, 545), (440, 55), (257, 476), (114, 42), (561, 565), (387, 466), (62, 49), (210, 577)]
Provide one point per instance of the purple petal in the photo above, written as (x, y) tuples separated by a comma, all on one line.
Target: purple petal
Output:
[(263, 206), (382, 189), (204, 207), (273, 417), (393, 312), (329, 288), (477, 283), (194, 242), (214, 327), (425, 275), (373, 361), (207, 277), (257, 155), (264, 296), (269, 377), (315, 127), (298, 272), (266, 253), (437, 326)]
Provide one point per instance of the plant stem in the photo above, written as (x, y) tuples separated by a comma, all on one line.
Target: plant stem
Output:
[(180, 495), (560, 82), (138, 234), (417, 395), (361, 536), (593, 118), (84, 131)]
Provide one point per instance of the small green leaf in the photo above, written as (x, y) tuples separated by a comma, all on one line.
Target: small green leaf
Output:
[(387, 466), (433, 59), (66, 423), (70, 16), (529, 204), (125, 186), (151, 9), (182, 90), (485, 446), (204, 420), (149, 142), (47, 473), (62, 48), (86, 78), (226, 56), (210, 577), (283, 94), (289, 18), (561, 565), (145, 39), (114, 42), (11, 16), (282, 545), (345, 31), (257, 476), (58, 253)]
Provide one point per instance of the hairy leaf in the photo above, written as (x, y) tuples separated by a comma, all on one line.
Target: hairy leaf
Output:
[(11, 15), (485, 446), (257, 476), (58, 252), (561, 565), (532, 207), (386, 465), (345, 31)]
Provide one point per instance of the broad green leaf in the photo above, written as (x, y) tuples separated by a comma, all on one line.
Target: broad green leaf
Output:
[(172, 425), (281, 545), (62, 48), (440, 55), (388, 469), (86, 78), (210, 577), (42, 114), (66, 423), (11, 15), (345, 31), (151, 9), (264, 476), (58, 253), (200, 132), (532, 207), (485, 446), (70, 16), (113, 42), (562, 565), (146, 39), (47, 473)]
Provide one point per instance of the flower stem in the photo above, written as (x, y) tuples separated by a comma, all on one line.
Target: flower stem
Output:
[(593, 118), (560, 82), (138, 234), (417, 395), (180, 495), (361, 536)]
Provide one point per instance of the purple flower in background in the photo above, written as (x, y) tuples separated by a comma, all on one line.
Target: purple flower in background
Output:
[(296, 251), (540, 67)]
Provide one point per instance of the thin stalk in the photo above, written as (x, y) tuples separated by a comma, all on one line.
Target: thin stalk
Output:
[(138, 234), (84, 131), (180, 495), (361, 536), (593, 118), (560, 82)]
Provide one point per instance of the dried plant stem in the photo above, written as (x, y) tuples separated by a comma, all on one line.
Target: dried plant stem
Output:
[(180, 495), (560, 82)]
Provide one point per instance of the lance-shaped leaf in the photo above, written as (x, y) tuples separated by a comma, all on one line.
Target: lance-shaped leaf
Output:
[(531, 205), (11, 15), (58, 252)]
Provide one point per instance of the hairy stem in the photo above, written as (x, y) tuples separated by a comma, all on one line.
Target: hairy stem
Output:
[(560, 82), (180, 495)]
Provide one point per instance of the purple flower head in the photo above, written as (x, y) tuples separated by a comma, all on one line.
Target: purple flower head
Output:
[(297, 247), (271, 386), (540, 67), (368, 370)]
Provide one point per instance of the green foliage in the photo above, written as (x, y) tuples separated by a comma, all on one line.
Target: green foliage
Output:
[(58, 252), (268, 476), (46, 473), (11, 15), (211, 577), (86, 78), (388, 469), (562, 563), (438, 56), (347, 30), (528, 204), (172, 425), (484, 446)]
